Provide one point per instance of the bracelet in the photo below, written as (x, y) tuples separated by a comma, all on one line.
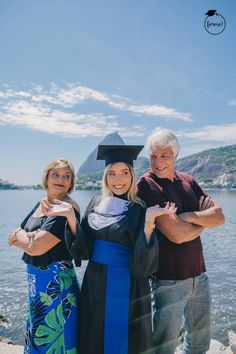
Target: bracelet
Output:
[(17, 230), (150, 224)]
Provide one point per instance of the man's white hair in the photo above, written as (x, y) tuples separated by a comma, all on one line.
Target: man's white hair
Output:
[(162, 138)]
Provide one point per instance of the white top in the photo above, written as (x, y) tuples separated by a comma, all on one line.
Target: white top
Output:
[(109, 211)]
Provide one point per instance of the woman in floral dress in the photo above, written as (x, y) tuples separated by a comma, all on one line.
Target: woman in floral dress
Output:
[(52, 320)]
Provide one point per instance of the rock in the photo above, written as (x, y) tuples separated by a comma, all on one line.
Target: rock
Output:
[(91, 164), (6, 340), (3, 320), (211, 168), (215, 348), (11, 349), (232, 341)]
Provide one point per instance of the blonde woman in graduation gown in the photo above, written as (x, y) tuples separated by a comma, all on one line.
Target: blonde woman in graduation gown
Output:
[(117, 236)]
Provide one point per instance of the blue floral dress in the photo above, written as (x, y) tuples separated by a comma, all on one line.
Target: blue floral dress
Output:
[(52, 319)]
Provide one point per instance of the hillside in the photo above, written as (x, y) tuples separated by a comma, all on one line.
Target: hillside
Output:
[(214, 168), (7, 185), (93, 180)]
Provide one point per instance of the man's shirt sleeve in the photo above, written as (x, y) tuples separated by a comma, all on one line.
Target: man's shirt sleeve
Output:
[(150, 196)]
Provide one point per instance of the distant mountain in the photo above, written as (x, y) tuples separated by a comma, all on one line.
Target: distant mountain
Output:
[(141, 165), (91, 164), (93, 180), (212, 168)]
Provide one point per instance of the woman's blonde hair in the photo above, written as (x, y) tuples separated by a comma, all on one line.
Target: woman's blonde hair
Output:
[(60, 162), (131, 194)]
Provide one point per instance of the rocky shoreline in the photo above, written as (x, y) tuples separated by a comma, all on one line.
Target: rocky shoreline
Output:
[(8, 347)]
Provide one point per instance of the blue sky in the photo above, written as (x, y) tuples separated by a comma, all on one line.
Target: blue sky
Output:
[(73, 71)]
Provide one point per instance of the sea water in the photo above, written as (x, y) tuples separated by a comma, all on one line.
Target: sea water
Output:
[(219, 250)]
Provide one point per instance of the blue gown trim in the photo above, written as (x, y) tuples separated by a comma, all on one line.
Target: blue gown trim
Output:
[(116, 258)]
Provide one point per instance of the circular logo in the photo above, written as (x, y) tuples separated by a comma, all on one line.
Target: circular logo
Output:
[(214, 22)]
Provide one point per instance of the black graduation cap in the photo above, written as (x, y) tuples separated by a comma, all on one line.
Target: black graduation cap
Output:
[(211, 13), (118, 153)]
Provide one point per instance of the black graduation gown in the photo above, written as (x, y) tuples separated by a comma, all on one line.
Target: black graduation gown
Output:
[(143, 262)]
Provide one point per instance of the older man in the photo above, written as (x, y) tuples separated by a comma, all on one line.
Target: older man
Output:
[(180, 288)]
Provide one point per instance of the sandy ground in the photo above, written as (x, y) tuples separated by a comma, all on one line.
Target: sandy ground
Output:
[(10, 349)]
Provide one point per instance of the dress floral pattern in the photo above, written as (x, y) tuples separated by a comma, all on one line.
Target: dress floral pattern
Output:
[(53, 309)]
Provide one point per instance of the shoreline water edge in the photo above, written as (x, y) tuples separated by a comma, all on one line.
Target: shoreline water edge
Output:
[(8, 347), (220, 261)]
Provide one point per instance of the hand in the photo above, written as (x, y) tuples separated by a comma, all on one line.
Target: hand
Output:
[(13, 237), (58, 209), (31, 235), (205, 203), (156, 210)]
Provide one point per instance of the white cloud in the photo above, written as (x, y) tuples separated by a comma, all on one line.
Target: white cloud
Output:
[(188, 149), (41, 118), (205, 138), (75, 94), (232, 103), (55, 111), (226, 134), (14, 94), (159, 111), (214, 95)]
